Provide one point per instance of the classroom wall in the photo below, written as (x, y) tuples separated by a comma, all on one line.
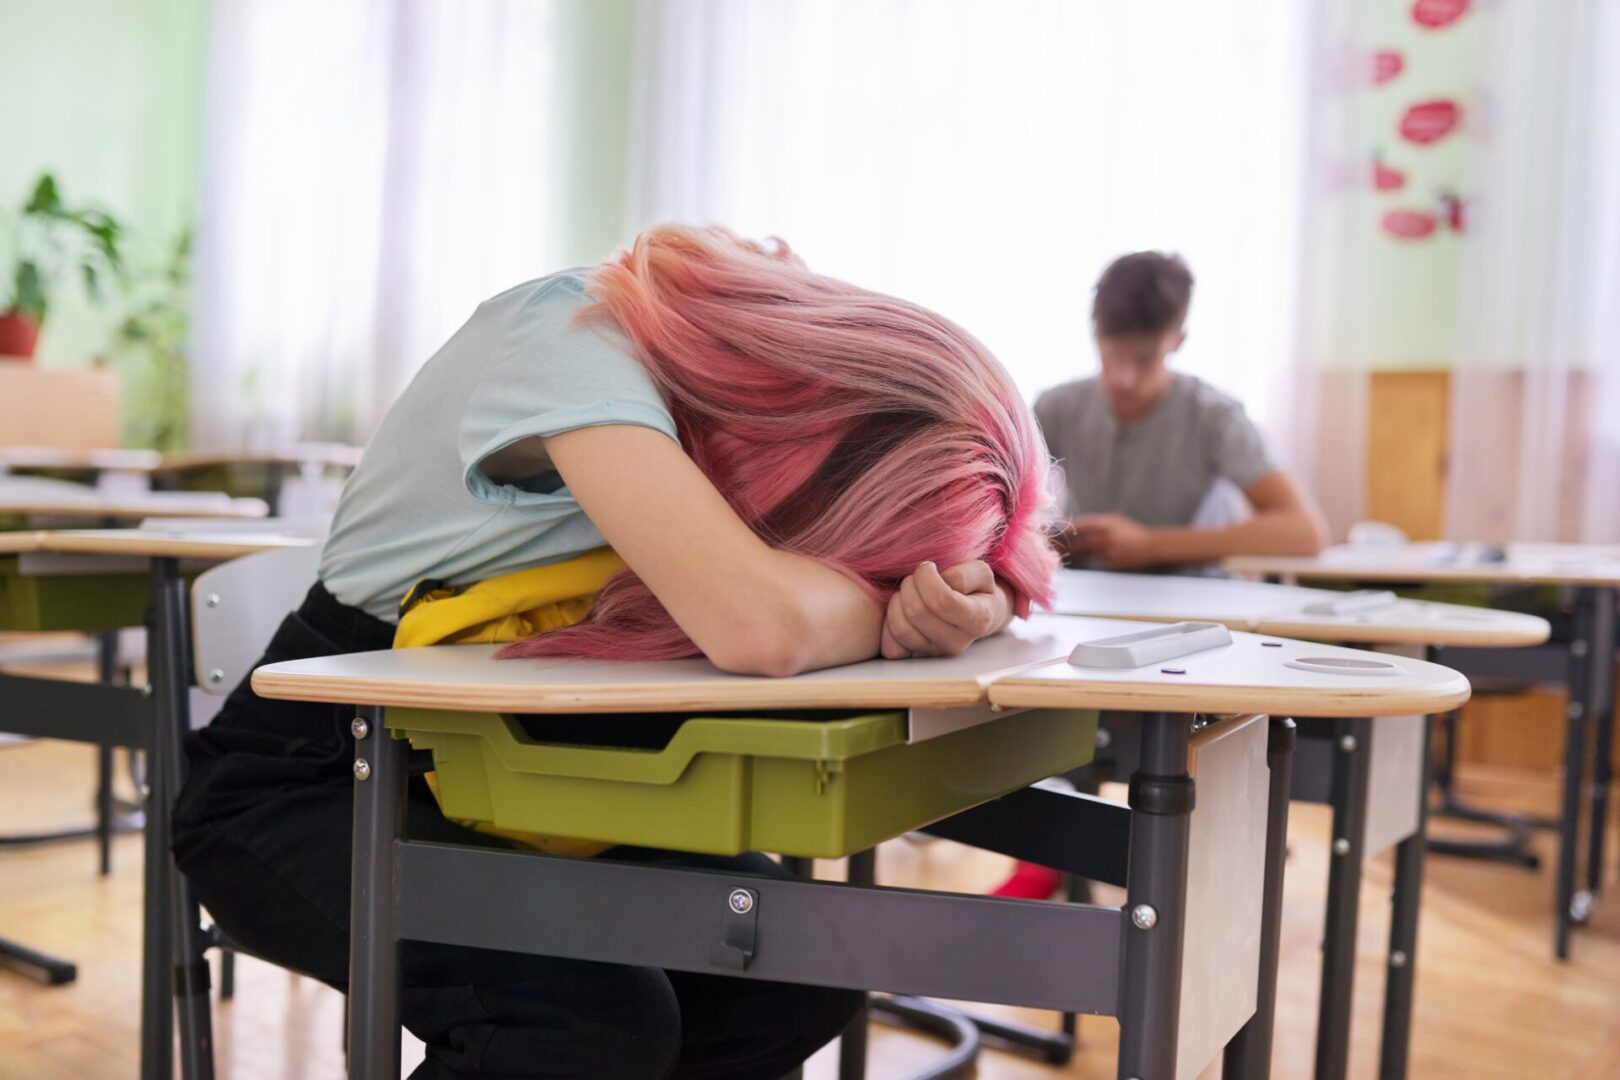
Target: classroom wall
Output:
[(106, 94), (598, 57), (1374, 300)]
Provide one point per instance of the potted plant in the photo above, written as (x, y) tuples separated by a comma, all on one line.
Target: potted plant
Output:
[(50, 239), (150, 345)]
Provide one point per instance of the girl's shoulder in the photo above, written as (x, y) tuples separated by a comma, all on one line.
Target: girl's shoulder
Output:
[(564, 284)]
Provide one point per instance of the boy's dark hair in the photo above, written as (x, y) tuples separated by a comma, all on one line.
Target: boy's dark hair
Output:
[(1142, 293)]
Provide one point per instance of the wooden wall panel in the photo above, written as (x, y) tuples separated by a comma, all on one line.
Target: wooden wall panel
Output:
[(1408, 433), (69, 409), (1408, 418)]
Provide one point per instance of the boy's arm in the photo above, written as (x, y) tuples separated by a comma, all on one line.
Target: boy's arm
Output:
[(1286, 521)]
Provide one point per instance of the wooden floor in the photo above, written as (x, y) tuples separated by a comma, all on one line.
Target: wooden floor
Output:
[(1491, 1001)]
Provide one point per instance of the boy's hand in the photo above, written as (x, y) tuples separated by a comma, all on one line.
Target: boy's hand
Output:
[(1114, 540), (941, 614)]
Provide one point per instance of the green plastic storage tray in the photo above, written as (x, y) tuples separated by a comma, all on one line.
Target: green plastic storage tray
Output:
[(825, 786), (50, 603)]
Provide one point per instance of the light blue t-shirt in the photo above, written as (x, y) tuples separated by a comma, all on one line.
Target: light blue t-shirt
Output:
[(420, 504)]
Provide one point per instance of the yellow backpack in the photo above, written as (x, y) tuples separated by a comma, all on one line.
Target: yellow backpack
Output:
[(502, 609), (510, 607)]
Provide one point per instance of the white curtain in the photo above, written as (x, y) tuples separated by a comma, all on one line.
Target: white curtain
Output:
[(372, 170), (1535, 425), (988, 159)]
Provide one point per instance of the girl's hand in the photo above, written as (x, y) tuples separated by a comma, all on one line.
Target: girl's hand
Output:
[(941, 614)]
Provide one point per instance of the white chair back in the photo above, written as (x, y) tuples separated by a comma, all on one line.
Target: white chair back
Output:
[(236, 607)]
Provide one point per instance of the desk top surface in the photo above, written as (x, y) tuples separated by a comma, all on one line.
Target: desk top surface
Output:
[(335, 454), (107, 460), (1028, 662), (1511, 564), (149, 461), (27, 495), (224, 541), (1283, 609)]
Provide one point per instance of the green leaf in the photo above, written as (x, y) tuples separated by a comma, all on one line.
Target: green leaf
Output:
[(92, 280), (45, 199), (30, 298)]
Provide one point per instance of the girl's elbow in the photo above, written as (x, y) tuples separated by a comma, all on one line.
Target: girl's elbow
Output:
[(775, 647)]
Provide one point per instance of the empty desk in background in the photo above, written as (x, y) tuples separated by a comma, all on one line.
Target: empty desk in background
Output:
[(263, 471), (1372, 771), (1199, 925), (96, 581), (30, 497), (1585, 664)]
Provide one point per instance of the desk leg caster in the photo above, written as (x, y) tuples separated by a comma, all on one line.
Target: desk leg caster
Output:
[(36, 965), (957, 1028)]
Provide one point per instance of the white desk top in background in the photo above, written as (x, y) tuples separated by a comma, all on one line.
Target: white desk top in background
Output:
[(1524, 564), (1280, 609), (150, 461), (1031, 660), (224, 540), (108, 460), (334, 454), (42, 497)]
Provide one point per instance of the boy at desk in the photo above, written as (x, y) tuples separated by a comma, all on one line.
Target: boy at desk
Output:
[(1145, 449)]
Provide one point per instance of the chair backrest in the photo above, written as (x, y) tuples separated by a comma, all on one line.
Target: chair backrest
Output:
[(236, 607)]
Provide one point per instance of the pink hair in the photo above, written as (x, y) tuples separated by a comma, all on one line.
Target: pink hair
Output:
[(841, 424)]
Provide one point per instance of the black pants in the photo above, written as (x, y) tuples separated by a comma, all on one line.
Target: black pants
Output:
[(263, 830)]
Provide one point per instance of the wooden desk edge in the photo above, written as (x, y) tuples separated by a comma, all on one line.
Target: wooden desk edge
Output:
[(163, 547), (650, 697), (1495, 574), (1011, 690), (1023, 691), (1520, 632)]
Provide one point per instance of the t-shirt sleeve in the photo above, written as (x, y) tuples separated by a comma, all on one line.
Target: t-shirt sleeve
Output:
[(552, 375), (1047, 417), (1238, 451)]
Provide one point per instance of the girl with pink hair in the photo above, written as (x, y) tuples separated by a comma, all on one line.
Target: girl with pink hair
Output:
[(730, 456)]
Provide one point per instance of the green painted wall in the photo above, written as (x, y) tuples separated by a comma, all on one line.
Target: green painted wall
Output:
[(1371, 300), (107, 94), (598, 54)]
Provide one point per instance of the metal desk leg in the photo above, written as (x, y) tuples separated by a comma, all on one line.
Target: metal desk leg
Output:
[(1571, 907), (107, 672), (1514, 848), (1602, 701), (1403, 928), (169, 701), (1161, 801), (852, 1043), (1351, 774), (381, 766), (1248, 1054), (169, 647), (275, 474), (36, 965)]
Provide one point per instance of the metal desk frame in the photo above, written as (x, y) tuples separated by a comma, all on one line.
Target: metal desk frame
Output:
[(1124, 961)]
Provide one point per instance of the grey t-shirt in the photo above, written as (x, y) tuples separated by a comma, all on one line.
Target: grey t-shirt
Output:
[(1160, 470)]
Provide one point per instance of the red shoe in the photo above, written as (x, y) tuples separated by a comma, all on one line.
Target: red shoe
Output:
[(1030, 882)]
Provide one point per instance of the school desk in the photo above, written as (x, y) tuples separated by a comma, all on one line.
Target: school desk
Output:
[(28, 497), (1584, 664), (72, 460), (170, 472), (1188, 963), (1372, 771), (104, 580), (267, 468)]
